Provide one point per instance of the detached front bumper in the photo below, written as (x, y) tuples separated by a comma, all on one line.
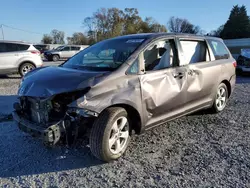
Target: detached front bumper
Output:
[(49, 135)]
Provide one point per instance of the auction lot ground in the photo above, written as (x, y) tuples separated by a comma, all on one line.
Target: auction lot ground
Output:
[(194, 151)]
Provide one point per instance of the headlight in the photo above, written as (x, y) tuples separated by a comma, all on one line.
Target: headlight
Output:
[(83, 102)]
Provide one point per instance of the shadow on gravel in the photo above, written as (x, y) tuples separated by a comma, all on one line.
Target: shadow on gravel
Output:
[(6, 103), (201, 112), (23, 155), (14, 76), (243, 79)]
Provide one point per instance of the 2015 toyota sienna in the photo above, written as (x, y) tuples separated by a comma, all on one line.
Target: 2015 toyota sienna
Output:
[(123, 85)]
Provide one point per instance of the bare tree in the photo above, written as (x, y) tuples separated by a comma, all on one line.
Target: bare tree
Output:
[(58, 36), (180, 25)]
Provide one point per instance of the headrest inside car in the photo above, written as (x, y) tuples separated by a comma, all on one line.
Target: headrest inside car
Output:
[(162, 51)]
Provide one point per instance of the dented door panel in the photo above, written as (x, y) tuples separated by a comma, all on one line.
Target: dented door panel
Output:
[(163, 92), (201, 83)]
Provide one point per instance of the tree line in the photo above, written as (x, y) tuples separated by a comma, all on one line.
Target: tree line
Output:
[(237, 25), (111, 22)]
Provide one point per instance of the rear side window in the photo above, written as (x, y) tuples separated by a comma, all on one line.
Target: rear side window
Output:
[(2, 47), (12, 47), (194, 51), (219, 49), (67, 48), (22, 47), (74, 48)]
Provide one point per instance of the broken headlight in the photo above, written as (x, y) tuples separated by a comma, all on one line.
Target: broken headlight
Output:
[(82, 112)]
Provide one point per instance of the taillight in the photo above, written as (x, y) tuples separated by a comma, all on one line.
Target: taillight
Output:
[(35, 52), (235, 64)]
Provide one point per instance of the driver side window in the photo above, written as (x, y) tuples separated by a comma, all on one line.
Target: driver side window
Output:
[(160, 55), (67, 48)]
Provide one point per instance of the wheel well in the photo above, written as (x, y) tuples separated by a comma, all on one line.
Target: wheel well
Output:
[(133, 115), (56, 55), (227, 83), (25, 62)]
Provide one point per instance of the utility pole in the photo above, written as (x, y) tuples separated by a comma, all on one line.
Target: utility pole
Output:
[(2, 31)]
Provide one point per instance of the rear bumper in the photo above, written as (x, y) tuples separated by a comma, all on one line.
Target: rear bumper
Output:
[(50, 135)]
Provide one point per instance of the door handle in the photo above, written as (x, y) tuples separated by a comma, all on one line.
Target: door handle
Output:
[(191, 72), (178, 75)]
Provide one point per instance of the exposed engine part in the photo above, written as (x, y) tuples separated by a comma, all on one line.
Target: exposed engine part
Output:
[(52, 119)]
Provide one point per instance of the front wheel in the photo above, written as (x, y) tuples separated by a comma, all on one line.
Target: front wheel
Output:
[(221, 98), (110, 134), (55, 58)]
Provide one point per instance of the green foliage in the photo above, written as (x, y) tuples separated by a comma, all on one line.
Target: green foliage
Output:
[(217, 32), (78, 38), (112, 22), (58, 36), (47, 39), (55, 37), (237, 25)]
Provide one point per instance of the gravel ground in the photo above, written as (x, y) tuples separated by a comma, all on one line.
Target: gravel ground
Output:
[(200, 150)]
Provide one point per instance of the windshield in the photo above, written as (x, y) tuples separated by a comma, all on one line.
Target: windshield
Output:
[(105, 55)]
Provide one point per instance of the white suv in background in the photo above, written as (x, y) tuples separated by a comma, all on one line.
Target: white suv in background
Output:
[(18, 57), (62, 52)]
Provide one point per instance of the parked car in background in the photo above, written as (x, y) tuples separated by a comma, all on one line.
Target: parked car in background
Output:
[(243, 62), (123, 85), (42, 47), (62, 52), (18, 57)]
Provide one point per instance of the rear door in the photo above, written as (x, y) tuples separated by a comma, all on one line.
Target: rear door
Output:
[(9, 55), (74, 50), (203, 72), (66, 52), (163, 83)]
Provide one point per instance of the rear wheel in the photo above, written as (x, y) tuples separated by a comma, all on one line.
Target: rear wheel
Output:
[(55, 57), (110, 134), (25, 68), (221, 98)]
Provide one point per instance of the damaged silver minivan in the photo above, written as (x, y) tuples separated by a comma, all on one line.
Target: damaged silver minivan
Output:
[(124, 85)]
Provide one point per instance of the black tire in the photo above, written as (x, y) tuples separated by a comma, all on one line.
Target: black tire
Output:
[(215, 108), (101, 131), (25, 68), (55, 58)]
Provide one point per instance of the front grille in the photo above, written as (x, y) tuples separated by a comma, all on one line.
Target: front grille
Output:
[(36, 110), (42, 111)]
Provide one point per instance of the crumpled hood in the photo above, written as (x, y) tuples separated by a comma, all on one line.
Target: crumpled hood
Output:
[(48, 81)]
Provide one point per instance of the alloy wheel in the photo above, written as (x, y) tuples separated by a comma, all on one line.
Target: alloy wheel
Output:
[(26, 68), (119, 135), (221, 98)]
